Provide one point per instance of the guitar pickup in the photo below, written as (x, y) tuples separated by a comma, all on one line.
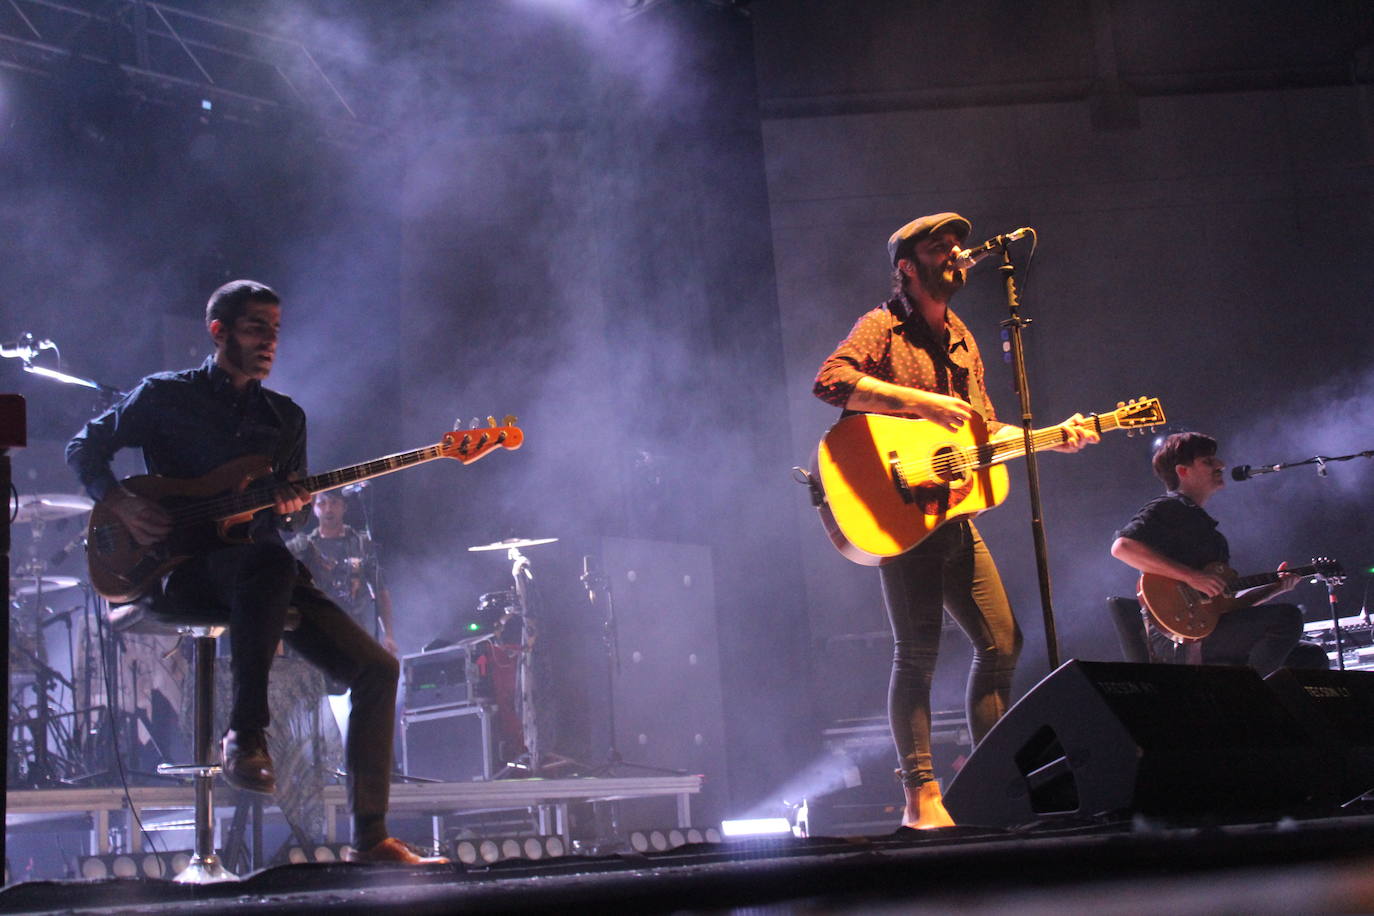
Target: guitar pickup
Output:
[(894, 466)]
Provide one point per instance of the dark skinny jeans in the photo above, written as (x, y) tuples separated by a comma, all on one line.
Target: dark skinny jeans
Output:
[(951, 570)]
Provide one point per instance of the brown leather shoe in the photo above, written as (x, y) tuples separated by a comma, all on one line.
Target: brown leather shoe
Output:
[(247, 765), (392, 851)]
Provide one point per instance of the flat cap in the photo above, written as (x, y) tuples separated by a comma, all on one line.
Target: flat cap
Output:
[(900, 244)]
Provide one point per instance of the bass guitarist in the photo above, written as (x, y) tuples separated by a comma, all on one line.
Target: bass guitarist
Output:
[(188, 424), (1173, 536), (914, 357)]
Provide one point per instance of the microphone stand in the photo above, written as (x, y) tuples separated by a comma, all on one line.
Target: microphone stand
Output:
[(1245, 471), (1014, 324)]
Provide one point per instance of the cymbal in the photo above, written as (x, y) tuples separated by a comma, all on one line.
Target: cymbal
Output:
[(45, 507), (28, 585), (510, 543)]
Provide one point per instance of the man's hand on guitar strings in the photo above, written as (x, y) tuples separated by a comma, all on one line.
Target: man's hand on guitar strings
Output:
[(146, 521), (1287, 581), (290, 498), (1210, 584), (1080, 434)]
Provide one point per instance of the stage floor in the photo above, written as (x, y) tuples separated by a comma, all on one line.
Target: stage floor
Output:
[(1286, 866), (548, 798)]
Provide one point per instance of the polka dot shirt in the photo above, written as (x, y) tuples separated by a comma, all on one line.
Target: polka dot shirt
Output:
[(891, 347)]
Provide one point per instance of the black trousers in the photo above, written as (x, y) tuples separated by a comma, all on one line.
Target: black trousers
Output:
[(1264, 637), (950, 570), (258, 583)]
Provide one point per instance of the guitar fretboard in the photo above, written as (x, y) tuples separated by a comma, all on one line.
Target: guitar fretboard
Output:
[(1269, 578), (249, 501)]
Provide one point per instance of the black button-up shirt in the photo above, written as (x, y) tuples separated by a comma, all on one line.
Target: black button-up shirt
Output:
[(1180, 529), (187, 424)]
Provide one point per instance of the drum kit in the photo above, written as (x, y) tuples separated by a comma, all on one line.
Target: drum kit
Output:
[(506, 662), (52, 741)]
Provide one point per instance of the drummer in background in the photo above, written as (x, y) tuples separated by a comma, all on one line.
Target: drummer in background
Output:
[(343, 562)]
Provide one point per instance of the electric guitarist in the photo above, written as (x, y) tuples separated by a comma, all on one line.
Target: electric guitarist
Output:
[(1174, 536), (914, 357), (189, 423)]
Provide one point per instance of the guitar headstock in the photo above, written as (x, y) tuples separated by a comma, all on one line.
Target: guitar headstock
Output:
[(1328, 570), (467, 445), (1138, 414)]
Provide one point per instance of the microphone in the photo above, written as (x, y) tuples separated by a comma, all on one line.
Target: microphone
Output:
[(25, 348), (588, 564), (969, 256), (1245, 472), (66, 551)]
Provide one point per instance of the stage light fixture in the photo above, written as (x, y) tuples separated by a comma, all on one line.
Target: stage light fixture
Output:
[(320, 852), (756, 827), (474, 851), (663, 839), (132, 865)]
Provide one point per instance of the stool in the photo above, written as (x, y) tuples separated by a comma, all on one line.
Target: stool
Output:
[(204, 625)]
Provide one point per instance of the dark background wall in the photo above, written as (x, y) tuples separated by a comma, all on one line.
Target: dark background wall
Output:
[(640, 227)]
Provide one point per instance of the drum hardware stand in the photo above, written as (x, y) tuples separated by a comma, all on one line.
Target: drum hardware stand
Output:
[(43, 773), (533, 762), (600, 595)]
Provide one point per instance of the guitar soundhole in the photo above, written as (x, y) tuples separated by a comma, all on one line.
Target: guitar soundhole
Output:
[(948, 465)]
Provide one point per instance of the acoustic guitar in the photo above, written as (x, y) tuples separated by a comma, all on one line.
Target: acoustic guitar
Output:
[(212, 510), (886, 483), (1188, 615)]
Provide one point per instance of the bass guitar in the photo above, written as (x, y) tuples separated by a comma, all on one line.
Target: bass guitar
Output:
[(1189, 615), (206, 511), (886, 483)]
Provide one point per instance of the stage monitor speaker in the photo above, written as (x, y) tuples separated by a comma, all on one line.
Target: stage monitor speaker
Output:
[(1115, 739), (1338, 709)]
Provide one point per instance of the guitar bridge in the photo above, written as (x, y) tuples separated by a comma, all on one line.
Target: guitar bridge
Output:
[(894, 466)]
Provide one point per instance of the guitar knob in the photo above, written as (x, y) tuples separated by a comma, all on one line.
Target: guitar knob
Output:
[(491, 421), (508, 420)]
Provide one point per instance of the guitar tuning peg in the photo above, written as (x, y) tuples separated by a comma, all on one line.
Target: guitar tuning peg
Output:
[(457, 423), (1120, 404), (475, 423), (491, 421), (508, 420)]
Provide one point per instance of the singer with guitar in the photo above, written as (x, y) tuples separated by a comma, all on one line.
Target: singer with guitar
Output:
[(190, 423), (913, 357), (1173, 536)]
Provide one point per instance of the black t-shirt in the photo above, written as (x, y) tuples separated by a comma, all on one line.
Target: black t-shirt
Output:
[(1180, 529)]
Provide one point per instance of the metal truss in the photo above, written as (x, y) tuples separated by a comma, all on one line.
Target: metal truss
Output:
[(168, 55)]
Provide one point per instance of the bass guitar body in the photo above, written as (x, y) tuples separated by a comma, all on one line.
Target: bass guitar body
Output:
[(889, 482), (122, 569)]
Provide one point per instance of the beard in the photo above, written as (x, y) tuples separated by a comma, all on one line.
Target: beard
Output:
[(940, 283), (242, 359)]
